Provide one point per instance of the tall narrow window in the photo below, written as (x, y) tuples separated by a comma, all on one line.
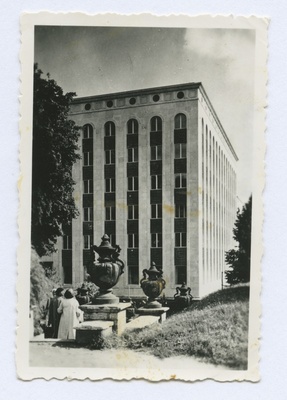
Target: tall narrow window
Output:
[(87, 198), (133, 126), (180, 274), (110, 213), (133, 274), (180, 121), (180, 239), (110, 156), (67, 242), (88, 186), (155, 124), (156, 182), (180, 180), (156, 153), (133, 212), (180, 150), (133, 154), (133, 184), (110, 128), (110, 185), (133, 240), (88, 158), (88, 131), (88, 214), (156, 240), (88, 241), (156, 211), (180, 211)]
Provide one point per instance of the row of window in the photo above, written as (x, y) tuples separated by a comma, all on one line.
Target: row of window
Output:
[(133, 184), (133, 240), (156, 240), (156, 154), (133, 212), (133, 126)]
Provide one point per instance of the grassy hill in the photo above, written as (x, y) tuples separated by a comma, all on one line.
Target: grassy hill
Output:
[(214, 329)]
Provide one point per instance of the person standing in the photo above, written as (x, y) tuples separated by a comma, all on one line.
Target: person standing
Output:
[(70, 313), (47, 308), (54, 316)]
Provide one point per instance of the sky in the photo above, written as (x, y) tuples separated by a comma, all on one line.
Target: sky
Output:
[(98, 60)]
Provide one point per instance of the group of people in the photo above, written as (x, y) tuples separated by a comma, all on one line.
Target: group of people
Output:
[(63, 313)]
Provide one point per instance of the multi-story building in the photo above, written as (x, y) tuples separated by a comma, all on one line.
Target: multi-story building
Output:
[(157, 174)]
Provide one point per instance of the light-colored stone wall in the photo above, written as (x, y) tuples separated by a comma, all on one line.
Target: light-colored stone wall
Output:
[(204, 267), (218, 208)]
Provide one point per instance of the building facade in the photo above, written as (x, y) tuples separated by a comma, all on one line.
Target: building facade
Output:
[(157, 174)]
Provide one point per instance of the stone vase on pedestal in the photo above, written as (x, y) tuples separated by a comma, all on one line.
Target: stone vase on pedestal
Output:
[(106, 271), (106, 313), (183, 296), (152, 284)]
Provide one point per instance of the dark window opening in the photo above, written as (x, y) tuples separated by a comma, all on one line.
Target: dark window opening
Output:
[(180, 274), (155, 124), (133, 275), (156, 98), (88, 131), (180, 121), (133, 126)]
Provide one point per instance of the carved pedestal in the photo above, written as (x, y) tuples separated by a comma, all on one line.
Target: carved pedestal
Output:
[(108, 312), (157, 312)]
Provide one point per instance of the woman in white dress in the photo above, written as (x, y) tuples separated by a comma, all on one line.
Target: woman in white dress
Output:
[(70, 312)]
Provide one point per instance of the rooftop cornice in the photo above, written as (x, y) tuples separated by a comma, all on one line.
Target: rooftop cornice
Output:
[(137, 92)]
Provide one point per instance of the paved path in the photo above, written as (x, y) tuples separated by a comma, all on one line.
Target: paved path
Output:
[(50, 354)]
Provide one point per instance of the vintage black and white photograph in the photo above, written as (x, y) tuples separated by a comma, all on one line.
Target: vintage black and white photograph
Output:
[(142, 156)]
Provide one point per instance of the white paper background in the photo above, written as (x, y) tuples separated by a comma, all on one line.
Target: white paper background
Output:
[(274, 326)]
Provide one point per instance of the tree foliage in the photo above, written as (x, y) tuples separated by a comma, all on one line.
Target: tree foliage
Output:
[(55, 148), (238, 259)]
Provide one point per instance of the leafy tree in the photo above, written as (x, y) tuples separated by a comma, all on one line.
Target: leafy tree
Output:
[(55, 148), (238, 259)]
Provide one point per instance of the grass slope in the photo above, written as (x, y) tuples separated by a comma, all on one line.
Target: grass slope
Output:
[(214, 329)]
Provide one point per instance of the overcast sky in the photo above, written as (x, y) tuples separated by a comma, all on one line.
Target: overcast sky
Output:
[(92, 61)]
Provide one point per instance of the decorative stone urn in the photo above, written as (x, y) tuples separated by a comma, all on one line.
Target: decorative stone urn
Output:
[(183, 297), (106, 271), (152, 284)]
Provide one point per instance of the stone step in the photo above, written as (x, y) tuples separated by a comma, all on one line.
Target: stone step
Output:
[(89, 331), (142, 322)]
